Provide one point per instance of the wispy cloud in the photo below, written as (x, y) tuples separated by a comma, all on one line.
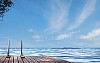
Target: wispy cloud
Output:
[(92, 38), (86, 12), (64, 36), (30, 30), (37, 37), (57, 15), (94, 33)]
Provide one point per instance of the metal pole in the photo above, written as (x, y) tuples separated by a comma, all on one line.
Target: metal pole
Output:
[(22, 50), (8, 56)]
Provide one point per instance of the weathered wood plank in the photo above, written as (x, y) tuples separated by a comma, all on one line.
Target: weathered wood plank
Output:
[(15, 59), (6, 60), (2, 59), (31, 59), (20, 60), (11, 59), (24, 60), (34, 60), (56, 60), (48, 60), (45, 60), (42, 59)]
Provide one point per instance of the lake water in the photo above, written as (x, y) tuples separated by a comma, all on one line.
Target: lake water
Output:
[(81, 55)]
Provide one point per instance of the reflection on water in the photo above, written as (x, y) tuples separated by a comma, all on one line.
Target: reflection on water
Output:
[(85, 55)]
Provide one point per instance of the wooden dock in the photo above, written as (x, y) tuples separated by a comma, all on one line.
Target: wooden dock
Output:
[(30, 59)]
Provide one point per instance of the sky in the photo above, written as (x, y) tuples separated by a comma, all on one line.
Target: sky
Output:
[(52, 23)]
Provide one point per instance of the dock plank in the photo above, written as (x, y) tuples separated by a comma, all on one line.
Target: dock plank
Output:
[(2, 59), (34, 60), (24, 60), (6, 60), (31, 59), (11, 59), (19, 60), (15, 59)]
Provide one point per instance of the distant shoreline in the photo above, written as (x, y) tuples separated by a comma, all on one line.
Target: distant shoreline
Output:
[(50, 48)]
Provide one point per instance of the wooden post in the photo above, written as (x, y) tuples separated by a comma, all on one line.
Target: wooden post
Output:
[(8, 56), (22, 56)]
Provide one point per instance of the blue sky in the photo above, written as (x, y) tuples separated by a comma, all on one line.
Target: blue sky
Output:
[(52, 23)]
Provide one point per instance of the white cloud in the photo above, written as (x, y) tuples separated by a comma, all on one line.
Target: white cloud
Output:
[(86, 12), (37, 37), (94, 33), (64, 36), (57, 17), (30, 30)]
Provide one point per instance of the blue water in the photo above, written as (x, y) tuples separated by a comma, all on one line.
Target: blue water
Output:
[(80, 55)]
